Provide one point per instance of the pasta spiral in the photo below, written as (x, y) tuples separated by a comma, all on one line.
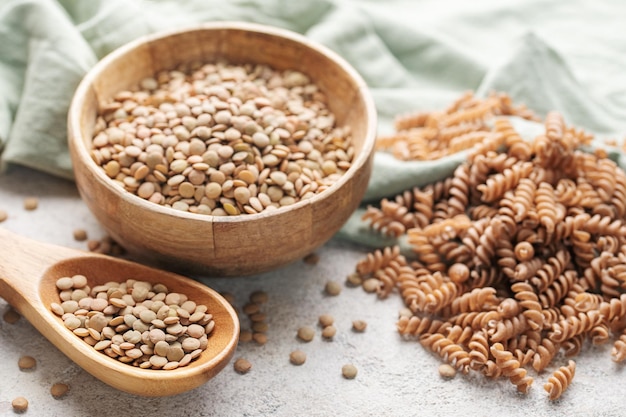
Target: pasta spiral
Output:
[(476, 300), (618, 353), (560, 380), (377, 260), (529, 301), (511, 368), (544, 353), (451, 352), (496, 186), (518, 147), (574, 326), (416, 326)]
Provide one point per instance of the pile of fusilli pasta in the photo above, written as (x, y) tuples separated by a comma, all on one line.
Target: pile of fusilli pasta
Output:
[(520, 255), (431, 135)]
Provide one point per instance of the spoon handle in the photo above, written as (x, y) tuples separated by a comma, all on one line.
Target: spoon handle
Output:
[(22, 264)]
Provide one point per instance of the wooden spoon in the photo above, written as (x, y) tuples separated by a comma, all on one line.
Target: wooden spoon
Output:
[(28, 274)]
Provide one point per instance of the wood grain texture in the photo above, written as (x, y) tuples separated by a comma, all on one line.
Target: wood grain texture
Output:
[(28, 274), (222, 246)]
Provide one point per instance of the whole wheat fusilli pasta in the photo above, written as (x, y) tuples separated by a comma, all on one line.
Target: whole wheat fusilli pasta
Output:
[(519, 255)]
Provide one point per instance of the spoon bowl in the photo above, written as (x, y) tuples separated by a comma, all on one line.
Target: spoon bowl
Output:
[(28, 274)]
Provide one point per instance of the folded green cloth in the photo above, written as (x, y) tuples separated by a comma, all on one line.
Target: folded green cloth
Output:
[(568, 56)]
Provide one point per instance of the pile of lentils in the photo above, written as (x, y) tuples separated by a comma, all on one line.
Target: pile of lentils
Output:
[(222, 139), (135, 322)]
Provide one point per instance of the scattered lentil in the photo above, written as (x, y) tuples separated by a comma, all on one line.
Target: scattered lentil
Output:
[(237, 139), (311, 259), (326, 320), (3, 215), (459, 273), (228, 297), (297, 357), (329, 332), (447, 371), (359, 326), (349, 371), (31, 203), (306, 334), (242, 366), (251, 308), (354, 279), (19, 404), (26, 363), (107, 245), (260, 327), (135, 322), (11, 316), (93, 245), (59, 390), (332, 288), (259, 297), (259, 338), (258, 317), (245, 336), (405, 312), (371, 285), (80, 235)]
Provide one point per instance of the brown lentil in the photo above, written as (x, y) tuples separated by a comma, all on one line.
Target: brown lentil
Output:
[(259, 338), (59, 390), (251, 308), (242, 366), (354, 279), (228, 297), (245, 336), (258, 317), (306, 334), (371, 284), (80, 235), (447, 371), (329, 332), (255, 133), (106, 246), (31, 203), (11, 316), (260, 327), (359, 326), (332, 288), (459, 272), (259, 297), (26, 363), (134, 321), (19, 404), (311, 259), (297, 357), (93, 245), (349, 371), (326, 320)]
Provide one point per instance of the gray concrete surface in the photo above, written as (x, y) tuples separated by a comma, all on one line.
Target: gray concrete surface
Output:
[(395, 377)]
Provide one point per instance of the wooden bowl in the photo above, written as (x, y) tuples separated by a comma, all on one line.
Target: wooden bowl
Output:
[(215, 245)]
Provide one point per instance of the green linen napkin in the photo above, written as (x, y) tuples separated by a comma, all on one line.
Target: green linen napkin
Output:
[(551, 55)]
